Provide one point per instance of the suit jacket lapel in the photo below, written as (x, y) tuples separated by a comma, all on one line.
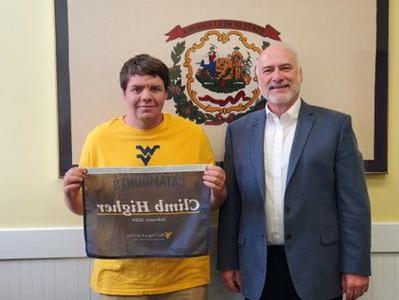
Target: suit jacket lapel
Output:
[(256, 145), (303, 128)]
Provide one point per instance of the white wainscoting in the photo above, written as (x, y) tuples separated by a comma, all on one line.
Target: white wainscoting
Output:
[(50, 264)]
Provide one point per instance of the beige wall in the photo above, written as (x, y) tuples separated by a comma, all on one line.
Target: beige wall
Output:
[(384, 189), (31, 193)]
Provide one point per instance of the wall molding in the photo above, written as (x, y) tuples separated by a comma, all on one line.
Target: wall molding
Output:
[(384, 238), (68, 242), (36, 243)]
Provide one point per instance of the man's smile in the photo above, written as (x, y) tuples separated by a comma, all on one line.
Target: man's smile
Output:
[(279, 87)]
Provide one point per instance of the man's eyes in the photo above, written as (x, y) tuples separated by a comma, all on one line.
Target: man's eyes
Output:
[(282, 68), (286, 68), (139, 89), (136, 89), (156, 89)]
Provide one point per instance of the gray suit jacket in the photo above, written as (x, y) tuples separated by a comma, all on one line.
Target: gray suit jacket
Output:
[(327, 212)]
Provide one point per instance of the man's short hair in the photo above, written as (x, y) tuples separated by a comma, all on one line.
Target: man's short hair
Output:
[(143, 64)]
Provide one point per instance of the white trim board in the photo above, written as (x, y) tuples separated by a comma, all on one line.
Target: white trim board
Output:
[(385, 238), (36, 243), (41, 243)]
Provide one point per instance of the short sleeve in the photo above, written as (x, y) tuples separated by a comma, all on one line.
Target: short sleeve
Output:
[(206, 155), (85, 156)]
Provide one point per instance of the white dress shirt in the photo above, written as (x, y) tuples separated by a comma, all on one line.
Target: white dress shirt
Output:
[(279, 135)]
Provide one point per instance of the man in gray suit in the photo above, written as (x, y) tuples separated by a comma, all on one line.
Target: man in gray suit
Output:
[(296, 224)]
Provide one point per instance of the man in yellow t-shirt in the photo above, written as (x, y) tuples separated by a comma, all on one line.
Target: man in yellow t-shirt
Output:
[(147, 137)]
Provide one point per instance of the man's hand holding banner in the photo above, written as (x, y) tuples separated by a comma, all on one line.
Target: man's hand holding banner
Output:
[(146, 212)]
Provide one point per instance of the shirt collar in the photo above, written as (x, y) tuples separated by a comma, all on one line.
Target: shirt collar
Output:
[(292, 112)]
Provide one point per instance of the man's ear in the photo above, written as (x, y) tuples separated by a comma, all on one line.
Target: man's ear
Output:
[(256, 73), (300, 75)]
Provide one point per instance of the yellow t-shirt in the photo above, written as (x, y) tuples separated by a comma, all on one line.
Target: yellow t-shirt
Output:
[(175, 141)]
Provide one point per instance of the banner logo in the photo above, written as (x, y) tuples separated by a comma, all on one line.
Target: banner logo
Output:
[(168, 234), (213, 79)]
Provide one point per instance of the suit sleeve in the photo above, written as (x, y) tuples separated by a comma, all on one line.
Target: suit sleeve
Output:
[(229, 215), (353, 204)]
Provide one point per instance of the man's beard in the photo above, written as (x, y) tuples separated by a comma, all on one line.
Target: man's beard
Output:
[(285, 98)]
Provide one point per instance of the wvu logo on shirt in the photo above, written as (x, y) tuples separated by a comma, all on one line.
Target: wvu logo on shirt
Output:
[(146, 153)]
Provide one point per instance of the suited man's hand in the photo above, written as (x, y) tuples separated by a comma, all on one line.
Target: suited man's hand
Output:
[(232, 280), (354, 285)]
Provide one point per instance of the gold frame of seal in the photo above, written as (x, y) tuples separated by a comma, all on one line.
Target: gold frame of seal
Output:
[(224, 38)]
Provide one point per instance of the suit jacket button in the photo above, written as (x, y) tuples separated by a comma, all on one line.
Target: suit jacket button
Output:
[(287, 209), (288, 236)]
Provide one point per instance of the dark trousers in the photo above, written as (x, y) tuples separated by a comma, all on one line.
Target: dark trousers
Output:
[(278, 285)]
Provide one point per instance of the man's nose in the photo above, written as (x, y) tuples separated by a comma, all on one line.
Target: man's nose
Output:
[(146, 94), (277, 75)]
